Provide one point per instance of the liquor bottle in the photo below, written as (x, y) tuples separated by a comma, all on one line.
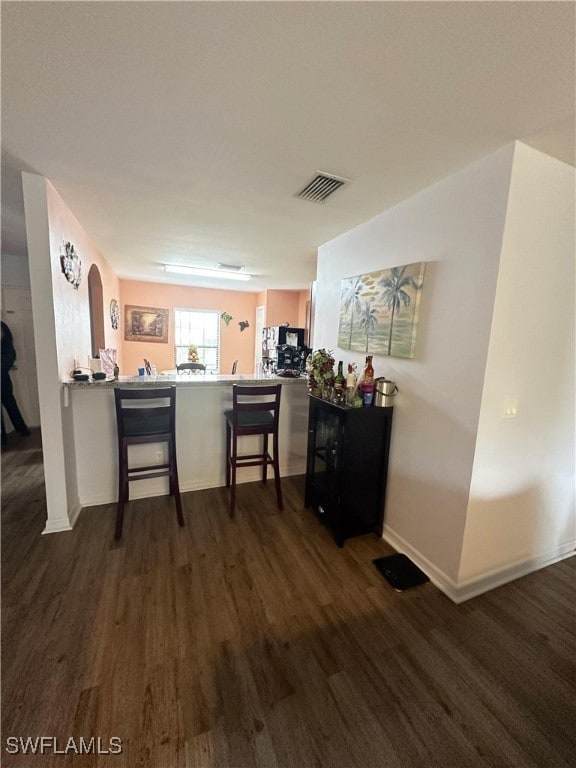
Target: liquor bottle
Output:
[(339, 384), (340, 381), (367, 386), (351, 378), (368, 370)]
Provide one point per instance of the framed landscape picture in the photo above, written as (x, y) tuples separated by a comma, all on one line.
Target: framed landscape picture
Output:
[(379, 311), (146, 324)]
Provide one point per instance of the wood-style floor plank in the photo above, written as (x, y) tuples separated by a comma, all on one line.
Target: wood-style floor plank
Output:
[(257, 643)]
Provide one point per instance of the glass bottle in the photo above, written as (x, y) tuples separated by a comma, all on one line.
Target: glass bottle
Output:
[(368, 370), (350, 384), (340, 381), (351, 377), (367, 387), (339, 384)]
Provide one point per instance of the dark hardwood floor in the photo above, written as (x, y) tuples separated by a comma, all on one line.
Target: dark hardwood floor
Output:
[(257, 642)]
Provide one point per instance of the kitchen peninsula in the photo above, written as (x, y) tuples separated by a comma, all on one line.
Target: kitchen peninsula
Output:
[(200, 433)]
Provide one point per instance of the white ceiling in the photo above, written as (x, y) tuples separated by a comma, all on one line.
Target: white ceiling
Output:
[(181, 132)]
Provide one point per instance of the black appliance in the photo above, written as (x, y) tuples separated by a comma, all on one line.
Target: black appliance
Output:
[(291, 358), (280, 335)]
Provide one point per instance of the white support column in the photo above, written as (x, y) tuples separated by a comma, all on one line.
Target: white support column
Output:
[(49, 387)]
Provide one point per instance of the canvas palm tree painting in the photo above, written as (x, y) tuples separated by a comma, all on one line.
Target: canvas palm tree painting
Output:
[(379, 311)]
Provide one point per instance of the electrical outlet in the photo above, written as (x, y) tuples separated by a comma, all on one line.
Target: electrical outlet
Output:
[(510, 408)]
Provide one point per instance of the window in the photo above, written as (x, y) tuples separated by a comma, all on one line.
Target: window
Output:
[(202, 328)]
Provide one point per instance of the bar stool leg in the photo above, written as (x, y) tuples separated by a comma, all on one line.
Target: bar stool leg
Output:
[(228, 438), (265, 459), (122, 490), (233, 473), (277, 473), (119, 519), (175, 484)]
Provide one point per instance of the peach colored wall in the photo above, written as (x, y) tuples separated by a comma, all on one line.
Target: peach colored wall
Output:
[(71, 307), (234, 343), (282, 307)]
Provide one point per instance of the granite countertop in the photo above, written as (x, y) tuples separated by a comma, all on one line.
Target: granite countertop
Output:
[(182, 380)]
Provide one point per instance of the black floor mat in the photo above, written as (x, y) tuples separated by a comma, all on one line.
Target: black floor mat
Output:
[(400, 572)]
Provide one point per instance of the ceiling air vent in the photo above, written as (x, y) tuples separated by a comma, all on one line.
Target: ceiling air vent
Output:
[(321, 187)]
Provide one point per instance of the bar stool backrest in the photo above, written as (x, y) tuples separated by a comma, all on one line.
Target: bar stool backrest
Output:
[(255, 409), (153, 414)]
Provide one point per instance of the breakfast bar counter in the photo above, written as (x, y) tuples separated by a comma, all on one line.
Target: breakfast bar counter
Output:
[(200, 433), (169, 379)]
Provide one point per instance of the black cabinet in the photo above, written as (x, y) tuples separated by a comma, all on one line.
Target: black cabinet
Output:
[(347, 466)]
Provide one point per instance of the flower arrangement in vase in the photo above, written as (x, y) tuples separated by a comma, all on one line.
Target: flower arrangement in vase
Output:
[(193, 354), (320, 366)]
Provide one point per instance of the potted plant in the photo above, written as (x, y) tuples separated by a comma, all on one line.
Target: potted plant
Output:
[(320, 365), (193, 356)]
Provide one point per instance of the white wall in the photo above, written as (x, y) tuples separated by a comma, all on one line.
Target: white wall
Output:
[(72, 310), (475, 499), (62, 334), (456, 226), (49, 389), (521, 510), (15, 271)]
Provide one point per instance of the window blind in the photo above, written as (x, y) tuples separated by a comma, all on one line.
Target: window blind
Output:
[(200, 327)]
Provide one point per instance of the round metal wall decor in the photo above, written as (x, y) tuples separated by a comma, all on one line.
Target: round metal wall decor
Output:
[(71, 264), (114, 314)]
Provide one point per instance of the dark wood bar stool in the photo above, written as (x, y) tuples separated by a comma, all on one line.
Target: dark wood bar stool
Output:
[(152, 419), (255, 411)]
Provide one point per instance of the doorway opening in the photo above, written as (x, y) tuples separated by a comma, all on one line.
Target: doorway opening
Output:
[(96, 304)]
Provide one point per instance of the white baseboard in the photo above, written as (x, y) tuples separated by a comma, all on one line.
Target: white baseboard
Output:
[(458, 592), (436, 576), (74, 513), (63, 523), (57, 525), (498, 577)]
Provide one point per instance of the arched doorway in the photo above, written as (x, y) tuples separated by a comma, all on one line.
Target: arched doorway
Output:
[(96, 304)]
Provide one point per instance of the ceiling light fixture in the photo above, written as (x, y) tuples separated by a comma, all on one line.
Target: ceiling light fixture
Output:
[(225, 274)]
